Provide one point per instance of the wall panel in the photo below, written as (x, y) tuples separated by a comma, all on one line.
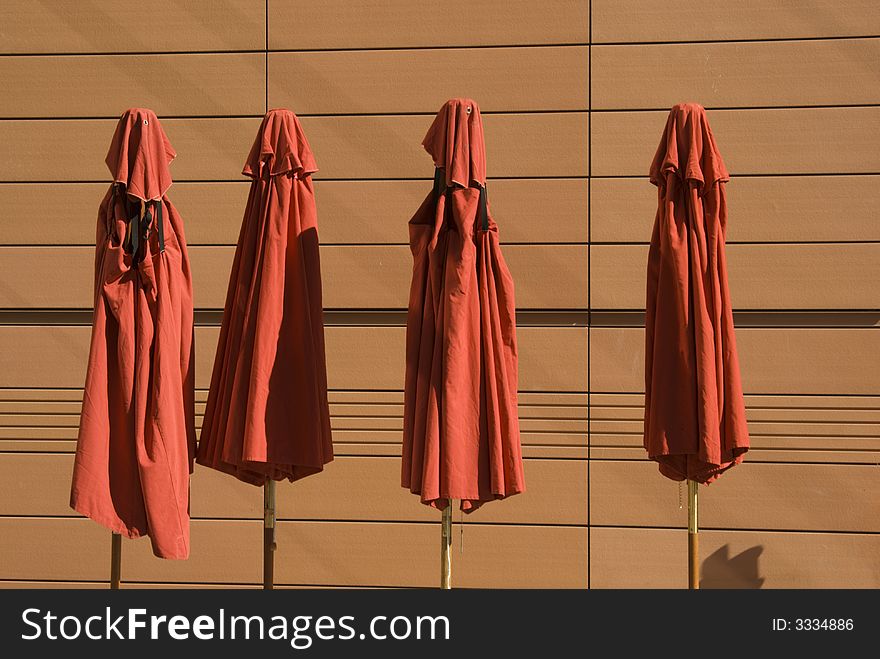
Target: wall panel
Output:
[(772, 361), (382, 81), (111, 26), (774, 141), (336, 24), (552, 359), (749, 74), (657, 558), (104, 86), (559, 491), (751, 496), (691, 20), (761, 209), (826, 276)]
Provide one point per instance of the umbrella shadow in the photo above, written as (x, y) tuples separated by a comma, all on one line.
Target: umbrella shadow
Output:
[(720, 570)]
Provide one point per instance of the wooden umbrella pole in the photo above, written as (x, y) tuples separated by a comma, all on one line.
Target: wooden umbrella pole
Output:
[(693, 538), (115, 560), (445, 547), (269, 535)]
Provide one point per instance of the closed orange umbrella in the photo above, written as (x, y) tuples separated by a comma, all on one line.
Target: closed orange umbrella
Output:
[(461, 429), (137, 433), (267, 417), (695, 423)]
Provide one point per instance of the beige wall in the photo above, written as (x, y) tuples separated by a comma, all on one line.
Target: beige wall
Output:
[(574, 96)]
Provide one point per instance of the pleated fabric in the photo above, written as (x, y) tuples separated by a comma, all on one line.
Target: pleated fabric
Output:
[(136, 437), (267, 415), (695, 424), (461, 429)]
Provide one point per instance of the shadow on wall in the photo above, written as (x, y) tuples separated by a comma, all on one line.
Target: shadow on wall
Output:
[(719, 570)]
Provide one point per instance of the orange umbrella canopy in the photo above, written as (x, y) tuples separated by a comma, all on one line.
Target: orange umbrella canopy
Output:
[(267, 415), (461, 430), (695, 423), (137, 431)]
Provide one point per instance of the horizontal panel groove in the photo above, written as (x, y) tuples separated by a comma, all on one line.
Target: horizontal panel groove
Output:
[(440, 47), (568, 243), (754, 435), (623, 392), (847, 37), (77, 581), (622, 243), (363, 522), (644, 177), (365, 390), (309, 115), (117, 53), (489, 113), (634, 433), (737, 529), (370, 451), (767, 319), (469, 524), (754, 459), (245, 180), (536, 243), (745, 108), (294, 51), (515, 243), (812, 394), (332, 318), (753, 452), (317, 177)]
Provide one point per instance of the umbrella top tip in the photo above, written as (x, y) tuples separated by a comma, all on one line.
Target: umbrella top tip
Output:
[(469, 104), (687, 108), (280, 111), (144, 114)]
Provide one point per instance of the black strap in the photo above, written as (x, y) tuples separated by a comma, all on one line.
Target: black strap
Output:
[(139, 227), (133, 238), (484, 208), (146, 221), (110, 218), (440, 190), (160, 225), (439, 183)]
